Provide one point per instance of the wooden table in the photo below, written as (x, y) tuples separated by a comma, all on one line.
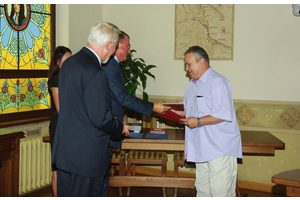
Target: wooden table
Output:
[(291, 179), (253, 142)]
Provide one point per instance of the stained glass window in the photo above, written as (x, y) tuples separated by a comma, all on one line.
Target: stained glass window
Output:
[(26, 39), (23, 95)]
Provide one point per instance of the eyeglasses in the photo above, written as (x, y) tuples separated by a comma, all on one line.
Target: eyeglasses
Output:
[(128, 45)]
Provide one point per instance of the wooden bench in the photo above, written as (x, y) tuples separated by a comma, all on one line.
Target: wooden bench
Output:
[(291, 179), (150, 181)]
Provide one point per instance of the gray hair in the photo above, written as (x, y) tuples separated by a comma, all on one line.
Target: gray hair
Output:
[(199, 53), (102, 33)]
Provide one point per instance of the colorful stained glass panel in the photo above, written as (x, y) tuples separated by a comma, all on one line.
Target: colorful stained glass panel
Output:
[(26, 41), (25, 36), (19, 95)]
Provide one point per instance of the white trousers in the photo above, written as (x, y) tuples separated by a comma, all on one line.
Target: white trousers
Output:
[(216, 178)]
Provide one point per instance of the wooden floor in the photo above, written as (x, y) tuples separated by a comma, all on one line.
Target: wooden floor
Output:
[(154, 192)]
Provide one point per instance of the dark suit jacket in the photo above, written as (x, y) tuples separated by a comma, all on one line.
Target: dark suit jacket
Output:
[(120, 97), (86, 123)]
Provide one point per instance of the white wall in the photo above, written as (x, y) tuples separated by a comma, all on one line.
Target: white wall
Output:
[(266, 56), (73, 23)]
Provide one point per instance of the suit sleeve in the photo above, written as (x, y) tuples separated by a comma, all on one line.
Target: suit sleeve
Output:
[(98, 105), (121, 96)]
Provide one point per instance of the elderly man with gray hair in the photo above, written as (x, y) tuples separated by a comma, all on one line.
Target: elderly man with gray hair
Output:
[(86, 123)]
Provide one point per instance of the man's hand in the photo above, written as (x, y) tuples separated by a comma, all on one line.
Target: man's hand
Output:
[(126, 130), (160, 108), (190, 122)]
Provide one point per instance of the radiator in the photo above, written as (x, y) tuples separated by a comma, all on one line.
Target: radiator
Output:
[(35, 164)]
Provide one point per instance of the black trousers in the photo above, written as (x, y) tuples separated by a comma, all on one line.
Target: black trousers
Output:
[(73, 185), (106, 177)]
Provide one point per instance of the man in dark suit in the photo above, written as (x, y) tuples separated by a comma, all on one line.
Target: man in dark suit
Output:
[(86, 123), (120, 97)]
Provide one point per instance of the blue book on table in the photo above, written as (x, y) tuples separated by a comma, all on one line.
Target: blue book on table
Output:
[(135, 135), (156, 136)]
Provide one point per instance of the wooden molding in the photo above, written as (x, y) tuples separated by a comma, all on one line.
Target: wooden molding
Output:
[(278, 189), (10, 123)]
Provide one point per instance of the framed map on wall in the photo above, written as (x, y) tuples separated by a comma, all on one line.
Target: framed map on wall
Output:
[(207, 25), (27, 39)]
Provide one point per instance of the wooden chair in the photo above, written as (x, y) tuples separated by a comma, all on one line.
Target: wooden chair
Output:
[(118, 158), (291, 179), (146, 158), (178, 161)]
